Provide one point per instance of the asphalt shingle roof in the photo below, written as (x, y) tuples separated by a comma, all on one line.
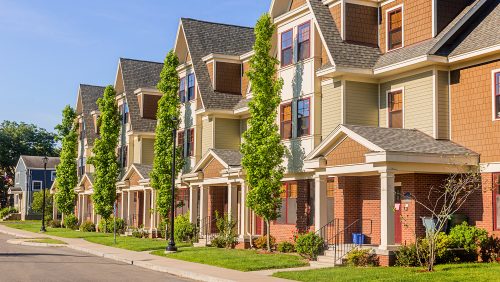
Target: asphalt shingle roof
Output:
[(89, 95), (144, 170), (37, 162), (204, 38), (230, 157), (139, 74)]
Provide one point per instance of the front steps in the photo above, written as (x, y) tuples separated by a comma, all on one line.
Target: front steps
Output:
[(11, 216)]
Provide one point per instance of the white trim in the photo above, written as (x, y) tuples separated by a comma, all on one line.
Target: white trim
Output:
[(401, 6), (435, 102), (326, 82), (402, 89), (289, 14), (386, 2), (342, 20), (321, 35), (493, 92), (489, 167), (368, 3), (33, 185), (413, 61), (449, 104), (53, 175), (434, 18), (247, 56), (215, 56), (475, 53)]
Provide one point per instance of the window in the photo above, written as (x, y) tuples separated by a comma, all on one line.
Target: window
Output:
[(52, 176), (182, 90), (81, 166), (496, 95), (180, 141), (190, 91), (288, 211), (190, 143), (496, 201), (394, 29), (287, 48), (303, 40), (303, 124), (122, 155), (182, 199), (123, 109), (330, 190), (395, 109), (36, 185), (286, 121)]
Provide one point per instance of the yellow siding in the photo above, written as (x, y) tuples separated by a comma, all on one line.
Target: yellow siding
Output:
[(361, 103), (331, 107), (443, 106), (206, 136), (227, 133), (243, 128), (148, 151), (418, 101)]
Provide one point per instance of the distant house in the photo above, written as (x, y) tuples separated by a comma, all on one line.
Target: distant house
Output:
[(29, 178)]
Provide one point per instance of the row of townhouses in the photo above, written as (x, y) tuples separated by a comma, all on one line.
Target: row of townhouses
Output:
[(381, 99)]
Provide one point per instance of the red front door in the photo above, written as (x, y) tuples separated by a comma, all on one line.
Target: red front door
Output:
[(398, 228)]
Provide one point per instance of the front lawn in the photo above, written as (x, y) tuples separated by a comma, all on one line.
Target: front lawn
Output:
[(243, 260), (447, 272)]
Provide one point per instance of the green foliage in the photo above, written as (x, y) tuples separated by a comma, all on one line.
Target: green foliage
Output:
[(6, 211), (67, 177), (262, 149), (286, 247), (467, 237), (362, 257), (55, 223), (416, 254), (407, 256), (71, 222), (227, 237), (490, 249), (105, 159), (37, 203), (261, 242), (138, 233), (184, 230), (309, 245), (87, 226), (168, 116), (107, 225), (162, 228)]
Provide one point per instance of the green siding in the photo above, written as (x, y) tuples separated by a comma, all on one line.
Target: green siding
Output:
[(227, 133), (361, 103), (148, 151), (331, 107), (207, 136), (443, 106)]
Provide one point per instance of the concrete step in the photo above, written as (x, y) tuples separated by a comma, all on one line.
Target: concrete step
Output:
[(322, 263), (331, 260)]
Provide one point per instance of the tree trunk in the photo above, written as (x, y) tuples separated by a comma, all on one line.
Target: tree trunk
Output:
[(268, 235)]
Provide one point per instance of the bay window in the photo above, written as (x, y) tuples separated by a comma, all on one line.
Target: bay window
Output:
[(287, 48), (303, 41), (180, 141), (292, 126), (190, 142)]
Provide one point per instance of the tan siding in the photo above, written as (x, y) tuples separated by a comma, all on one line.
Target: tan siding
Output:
[(245, 80), (331, 107), (213, 169), (362, 24), (418, 101), (361, 103), (210, 68), (227, 133), (207, 136), (337, 15), (443, 106), (347, 152), (296, 4), (148, 151), (243, 128)]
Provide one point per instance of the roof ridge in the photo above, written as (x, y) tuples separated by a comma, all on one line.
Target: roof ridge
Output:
[(217, 23), (91, 85), (139, 60)]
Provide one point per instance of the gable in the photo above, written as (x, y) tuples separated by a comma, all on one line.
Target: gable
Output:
[(296, 4), (86, 184), (119, 84), (346, 152), (213, 169), (134, 178)]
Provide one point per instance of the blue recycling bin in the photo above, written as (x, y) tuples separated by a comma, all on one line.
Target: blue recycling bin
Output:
[(358, 238)]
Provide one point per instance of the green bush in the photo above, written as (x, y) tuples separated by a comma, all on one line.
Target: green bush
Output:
[(469, 238), (362, 257), (55, 223), (286, 247), (138, 233), (261, 242), (227, 236), (490, 249), (218, 242), (407, 256), (87, 226), (71, 222), (309, 245), (184, 230), (162, 228), (6, 211), (107, 226), (37, 204)]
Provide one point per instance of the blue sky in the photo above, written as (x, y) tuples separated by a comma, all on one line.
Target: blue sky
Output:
[(47, 48)]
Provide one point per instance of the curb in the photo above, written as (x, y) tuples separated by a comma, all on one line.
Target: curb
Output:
[(180, 273), (33, 244)]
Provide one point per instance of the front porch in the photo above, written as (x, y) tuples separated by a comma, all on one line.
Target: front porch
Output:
[(84, 206)]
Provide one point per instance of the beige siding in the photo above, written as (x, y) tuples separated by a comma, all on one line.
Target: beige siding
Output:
[(418, 101), (227, 133), (331, 107), (207, 136), (361, 103), (148, 151), (443, 106), (243, 128)]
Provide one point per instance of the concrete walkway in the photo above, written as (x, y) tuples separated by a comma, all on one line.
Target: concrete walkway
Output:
[(195, 271)]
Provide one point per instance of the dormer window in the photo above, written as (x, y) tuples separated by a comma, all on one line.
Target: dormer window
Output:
[(182, 90), (394, 28), (287, 48), (303, 39), (190, 87)]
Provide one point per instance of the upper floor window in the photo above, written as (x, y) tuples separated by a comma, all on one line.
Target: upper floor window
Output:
[(287, 48), (180, 141), (182, 90), (395, 28), (288, 211), (286, 121), (496, 200), (186, 141), (36, 185), (303, 117), (190, 143), (395, 109), (190, 89), (496, 94), (123, 109), (303, 41), (52, 176), (122, 155)]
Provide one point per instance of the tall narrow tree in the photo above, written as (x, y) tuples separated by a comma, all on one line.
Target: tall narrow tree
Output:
[(168, 116), (104, 159), (262, 150), (66, 171)]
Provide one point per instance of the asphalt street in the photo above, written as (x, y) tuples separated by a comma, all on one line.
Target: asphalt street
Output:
[(26, 263)]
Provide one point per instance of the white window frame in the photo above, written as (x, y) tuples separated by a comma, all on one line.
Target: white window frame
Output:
[(402, 89), (493, 74), (53, 175), (387, 27), (33, 185)]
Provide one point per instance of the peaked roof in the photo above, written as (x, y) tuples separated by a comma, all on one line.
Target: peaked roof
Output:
[(228, 158), (37, 162), (89, 95), (139, 74), (143, 170), (204, 38)]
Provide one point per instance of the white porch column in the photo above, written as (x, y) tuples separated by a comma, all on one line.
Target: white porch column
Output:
[(193, 204), (203, 205), (129, 222), (386, 209), (232, 200), (145, 209), (320, 202), (244, 211), (153, 209), (84, 208)]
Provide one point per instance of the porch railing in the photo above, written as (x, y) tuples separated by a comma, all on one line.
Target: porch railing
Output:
[(207, 224)]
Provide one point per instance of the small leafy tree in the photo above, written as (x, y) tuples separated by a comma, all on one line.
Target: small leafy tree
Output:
[(262, 150), (105, 160), (168, 116), (67, 178), (37, 204)]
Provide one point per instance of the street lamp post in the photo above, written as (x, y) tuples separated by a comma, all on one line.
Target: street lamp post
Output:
[(171, 245), (45, 161)]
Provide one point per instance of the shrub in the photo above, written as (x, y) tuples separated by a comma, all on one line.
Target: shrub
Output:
[(218, 242), (227, 236), (138, 233), (490, 249), (37, 204), (310, 245), (71, 222), (286, 247), (469, 238), (55, 223), (407, 256), (261, 242), (6, 211), (183, 229), (107, 226), (87, 226), (362, 257), (162, 228)]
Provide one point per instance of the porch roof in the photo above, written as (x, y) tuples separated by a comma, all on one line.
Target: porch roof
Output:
[(228, 158), (15, 190), (142, 169)]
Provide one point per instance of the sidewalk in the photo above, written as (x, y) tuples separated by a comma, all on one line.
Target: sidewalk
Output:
[(190, 270)]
